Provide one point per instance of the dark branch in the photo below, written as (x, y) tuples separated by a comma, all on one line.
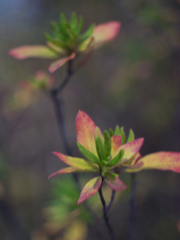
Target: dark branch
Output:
[(58, 106), (61, 122), (68, 76), (105, 215), (111, 200)]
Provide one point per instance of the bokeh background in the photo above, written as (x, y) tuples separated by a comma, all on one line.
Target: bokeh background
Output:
[(133, 81)]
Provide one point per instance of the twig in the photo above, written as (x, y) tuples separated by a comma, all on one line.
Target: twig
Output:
[(58, 106), (132, 216), (61, 122), (111, 200), (105, 214), (69, 74)]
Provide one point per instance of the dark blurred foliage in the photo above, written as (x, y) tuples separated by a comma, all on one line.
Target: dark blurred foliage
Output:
[(132, 81)]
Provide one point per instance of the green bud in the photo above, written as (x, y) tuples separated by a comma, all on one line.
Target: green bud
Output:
[(107, 144), (79, 26), (111, 133), (63, 19), (117, 131), (131, 136), (120, 131), (100, 149), (73, 21), (116, 159), (87, 154), (87, 34), (123, 135), (99, 140)]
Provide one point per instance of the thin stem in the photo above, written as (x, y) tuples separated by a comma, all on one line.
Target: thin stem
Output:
[(111, 200), (105, 215), (58, 106), (132, 215), (68, 76), (61, 122)]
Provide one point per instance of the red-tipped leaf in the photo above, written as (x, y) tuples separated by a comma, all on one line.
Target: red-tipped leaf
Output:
[(105, 32), (159, 160), (85, 128), (68, 170), (60, 62), (90, 189), (77, 162), (116, 185), (36, 51), (115, 145), (131, 148), (64, 171), (132, 160)]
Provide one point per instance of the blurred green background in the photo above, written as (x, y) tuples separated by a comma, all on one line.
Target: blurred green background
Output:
[(132, 81)]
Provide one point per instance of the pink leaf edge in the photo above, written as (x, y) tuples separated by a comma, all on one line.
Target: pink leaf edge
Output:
[(36, 51), (106, 31), (85, 129), (116, 185), (160, 160), (60, 62), (90, 189), (64, 171)]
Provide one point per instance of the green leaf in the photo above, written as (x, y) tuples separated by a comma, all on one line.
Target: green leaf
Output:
[(62, 34), (76, 24), (120, 131), (111, 176), (131, 136), (77, 162), (117, 131), (87, 154), (111, 133), (100, 148), (107, 144), (73, 21), (116, 159), (63, 19), (79, 26), (87, 34), (123, 135)]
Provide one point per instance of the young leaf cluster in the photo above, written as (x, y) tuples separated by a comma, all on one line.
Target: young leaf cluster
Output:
[(103, 148), (67, 34), (120, 131), (103, 153)]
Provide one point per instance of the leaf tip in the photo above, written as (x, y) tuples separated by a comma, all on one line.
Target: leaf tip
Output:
[(13, 53), (52, 175)]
